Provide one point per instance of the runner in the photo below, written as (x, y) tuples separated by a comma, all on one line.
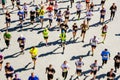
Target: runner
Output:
[(59, 18), (87, 4), (75, 28), (50, 71), (104, 32), (9, 71), (92, 6), (34, 54), (105, 56), (25, 9), (79, 7), (79, 63), (41, 15), (33, 77), (111, 75), (21, 17), (50, 17), (32, 16), (84, 28), (7, 36), (93, 42), (13, 4), (94, 69), (1, 61), (18, 4), (71, 3), (113, 9), (65, 68), (63, 40), (64, 27), (66, 15), (117, 61), (102, 14), (37, 12), (45, 35), (88, 16), (3, 4), (8, 19), (16, 77), (21, 40), (55, 9), (102, 3)]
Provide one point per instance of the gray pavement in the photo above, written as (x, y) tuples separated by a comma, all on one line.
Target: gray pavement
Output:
[(52, 53)]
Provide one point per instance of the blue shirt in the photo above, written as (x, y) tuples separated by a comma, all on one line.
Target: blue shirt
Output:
[(21, 14), (33, 78), (105, 55)]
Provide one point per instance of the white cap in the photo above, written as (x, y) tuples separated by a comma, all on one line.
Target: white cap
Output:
[(21, 35)]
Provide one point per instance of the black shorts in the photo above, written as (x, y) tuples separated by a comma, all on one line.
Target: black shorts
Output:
[(88, 19), (34, 58), (87, 2), (25, 12), (83, 31), (55, 11), (32, 18), (7, 42), (50, 76), (18, 3), (102, 16), (78, 70), (1, 62), (94, 46), (66, 17), (9, 75), (21, 18), (78, 11), (3, 3), (22, 46), (117, 65), (45, 37), (104, 61), (50, 20), (102, 2), (94, 72), (8, 20), (59, 20), (74, 30)]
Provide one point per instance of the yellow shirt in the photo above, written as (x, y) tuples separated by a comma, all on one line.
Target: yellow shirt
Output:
[(33, 52), (41, 12)]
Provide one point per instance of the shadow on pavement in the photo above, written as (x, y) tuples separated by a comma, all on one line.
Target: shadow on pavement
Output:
[(100, 76), (77, 57), (50, 53), (117, 34), (13, 55), (86, 45), (23, 69)]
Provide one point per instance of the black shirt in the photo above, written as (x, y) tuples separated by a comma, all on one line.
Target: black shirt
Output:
[(32, 13), (113, 8), (111, 75), (50, 70), (64, 27), (117, 59)]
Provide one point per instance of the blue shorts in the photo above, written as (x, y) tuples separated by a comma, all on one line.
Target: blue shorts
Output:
[(102, 16), (41, 17)]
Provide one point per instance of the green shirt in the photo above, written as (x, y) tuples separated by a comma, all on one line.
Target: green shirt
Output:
[(7, 35), (63, 36), (3, 1), (45, 33)]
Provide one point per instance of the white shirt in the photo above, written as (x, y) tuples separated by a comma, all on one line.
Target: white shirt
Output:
[(79, 64), (65, 67), (50, 15), (89, 14), (78, 6)]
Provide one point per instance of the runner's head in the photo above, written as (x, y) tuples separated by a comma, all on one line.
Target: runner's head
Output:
[(105, 49), (80, 59), (118, 53)]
